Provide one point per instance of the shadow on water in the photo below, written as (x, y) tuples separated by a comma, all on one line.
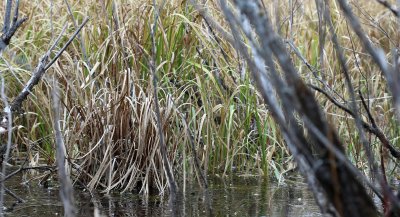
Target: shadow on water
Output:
[(237, 196)]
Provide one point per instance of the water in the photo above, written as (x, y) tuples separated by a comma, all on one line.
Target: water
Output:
[(236, 196)]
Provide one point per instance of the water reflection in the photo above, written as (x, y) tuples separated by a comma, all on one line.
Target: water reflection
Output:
[(236, 196)]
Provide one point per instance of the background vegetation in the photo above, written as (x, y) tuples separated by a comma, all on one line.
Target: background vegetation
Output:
[(206, 94)]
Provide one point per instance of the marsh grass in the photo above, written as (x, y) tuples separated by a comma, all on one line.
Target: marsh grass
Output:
[(109, 122)]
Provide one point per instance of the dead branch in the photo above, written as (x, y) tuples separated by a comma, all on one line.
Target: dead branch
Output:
[(41, 68), (9, 31), (389, 6), (12, 194), (8, 144), (370, 128), (66, 190), (377, 55), (328, 164)]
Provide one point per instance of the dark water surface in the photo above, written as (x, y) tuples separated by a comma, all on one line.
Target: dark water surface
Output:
[(237, 196)]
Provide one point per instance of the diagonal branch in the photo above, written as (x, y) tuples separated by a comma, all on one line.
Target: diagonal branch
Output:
[(389, 6), (377, 55), (41, 68), (374, 129)]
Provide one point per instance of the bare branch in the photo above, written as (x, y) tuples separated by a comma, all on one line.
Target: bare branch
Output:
[(40, 69), (8, 32), (330, 167), (370, 128), (7, 17), (67, 44), (377, 55), (66, 190), (389, 6), (8, 116), (353, 105)]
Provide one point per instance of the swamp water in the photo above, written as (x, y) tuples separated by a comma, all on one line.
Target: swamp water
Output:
[(239, 196)]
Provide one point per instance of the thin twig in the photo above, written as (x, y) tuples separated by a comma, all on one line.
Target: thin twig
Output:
[(67, 44), (205, 15), (353, 105), (311, 68), (377, 54), (194, 153), (21, 169), (12, 194), (15, 172), (40, 69), (374, 130)]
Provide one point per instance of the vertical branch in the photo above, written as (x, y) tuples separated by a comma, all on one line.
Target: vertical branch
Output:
[(163, 149), (7, 17), (7, 121), (66, 190)]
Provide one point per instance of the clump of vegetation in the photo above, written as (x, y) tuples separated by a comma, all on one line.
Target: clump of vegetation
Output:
[(109, 121)]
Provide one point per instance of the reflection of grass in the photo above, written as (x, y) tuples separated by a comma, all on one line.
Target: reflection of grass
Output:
[(108, 120)]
